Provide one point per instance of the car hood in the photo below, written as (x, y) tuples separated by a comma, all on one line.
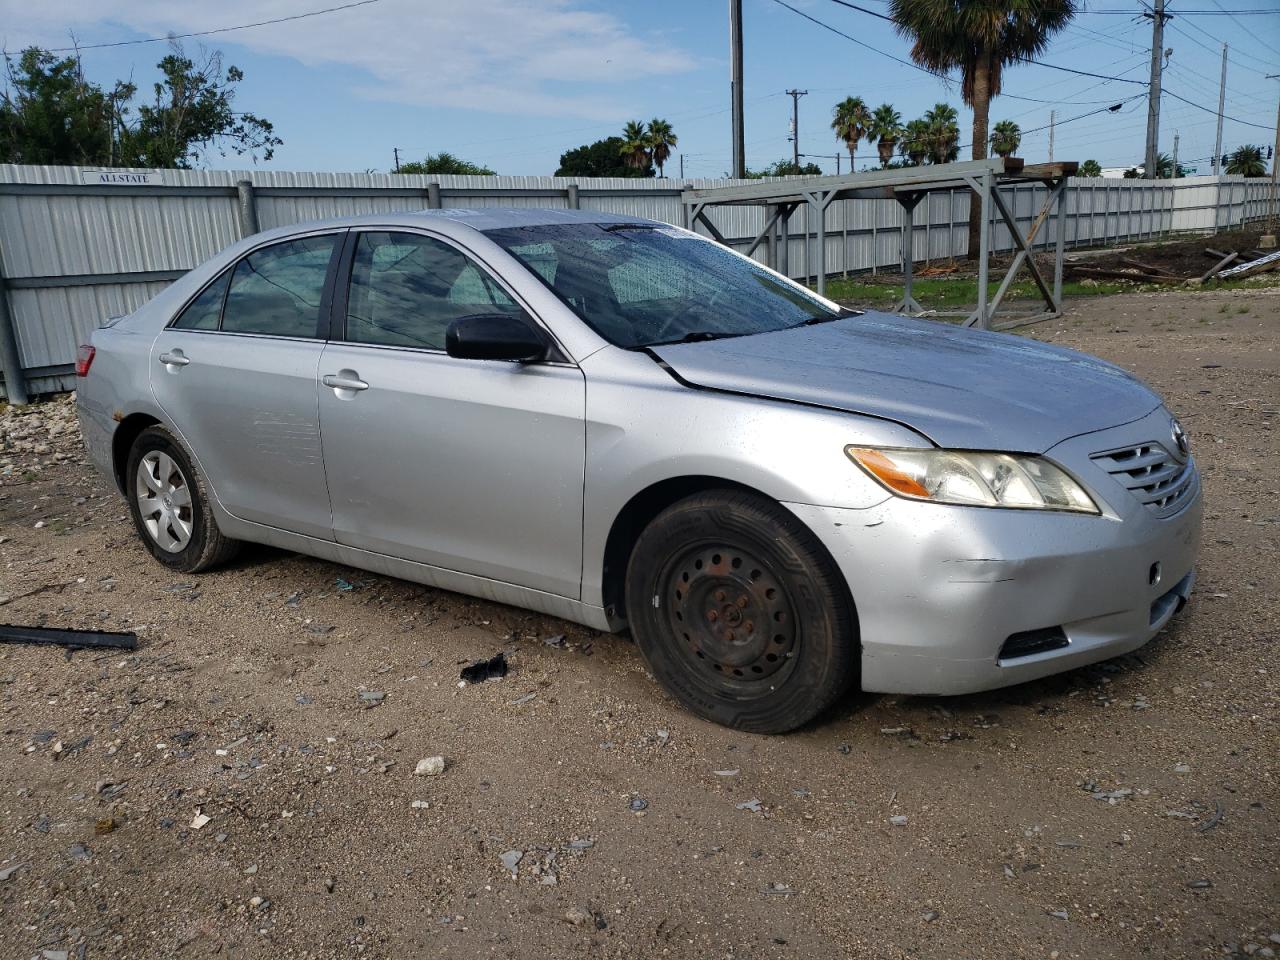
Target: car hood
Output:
[(960, 387)]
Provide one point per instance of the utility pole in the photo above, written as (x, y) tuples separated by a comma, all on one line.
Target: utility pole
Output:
[(682, 166), (735, 88), (1222, 97), (1268, 240), (1158, 18), (1176, 136), (396, 153), (795, 96), (1053, 116)]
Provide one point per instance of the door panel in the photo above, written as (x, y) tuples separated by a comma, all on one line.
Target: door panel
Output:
[(471, 465), (247, 408), (245, 402)]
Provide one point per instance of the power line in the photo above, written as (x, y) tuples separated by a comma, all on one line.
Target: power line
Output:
[(205, 33), (1215, 112)]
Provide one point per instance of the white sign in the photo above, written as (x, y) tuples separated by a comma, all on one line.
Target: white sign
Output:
[(122, 178)]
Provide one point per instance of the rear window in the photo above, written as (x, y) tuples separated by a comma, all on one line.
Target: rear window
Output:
[(204, 312), (276, 291)]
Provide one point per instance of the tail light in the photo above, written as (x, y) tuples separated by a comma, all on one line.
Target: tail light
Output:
[(84, 359)]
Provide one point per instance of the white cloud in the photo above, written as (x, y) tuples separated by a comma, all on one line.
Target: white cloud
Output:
[(543, 57)]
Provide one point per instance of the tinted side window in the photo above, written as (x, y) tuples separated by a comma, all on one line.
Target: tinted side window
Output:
[(406, 290), (277, 290), (204, 311)]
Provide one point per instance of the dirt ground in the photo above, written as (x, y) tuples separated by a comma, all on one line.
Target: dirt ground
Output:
[(1127, 810)]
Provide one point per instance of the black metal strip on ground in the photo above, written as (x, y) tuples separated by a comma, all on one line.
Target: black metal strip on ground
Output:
[(68, 638)]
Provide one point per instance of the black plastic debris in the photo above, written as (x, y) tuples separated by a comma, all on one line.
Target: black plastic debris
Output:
[(483, 670), (68, 638)]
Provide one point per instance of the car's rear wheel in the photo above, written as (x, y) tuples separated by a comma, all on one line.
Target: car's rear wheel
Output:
[(170, 505), (740, 613)]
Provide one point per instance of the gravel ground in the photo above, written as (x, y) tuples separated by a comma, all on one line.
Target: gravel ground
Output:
[(244, 784)]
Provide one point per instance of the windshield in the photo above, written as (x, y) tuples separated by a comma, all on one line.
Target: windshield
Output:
[(641, 285)]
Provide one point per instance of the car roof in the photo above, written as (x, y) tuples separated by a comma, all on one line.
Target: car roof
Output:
[(458, 220)]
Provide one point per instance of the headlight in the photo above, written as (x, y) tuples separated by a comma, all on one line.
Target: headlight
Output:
[(974, 479)]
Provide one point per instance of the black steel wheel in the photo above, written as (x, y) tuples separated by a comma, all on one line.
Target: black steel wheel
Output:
[(740, 613)]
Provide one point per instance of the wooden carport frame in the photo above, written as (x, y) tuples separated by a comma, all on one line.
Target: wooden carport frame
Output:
[(908, 186)]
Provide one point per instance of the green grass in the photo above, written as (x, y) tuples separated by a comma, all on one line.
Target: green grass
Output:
[(942, 293)]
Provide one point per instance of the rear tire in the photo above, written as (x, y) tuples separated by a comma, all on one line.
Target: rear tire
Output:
[(740, 614), (169, 502)]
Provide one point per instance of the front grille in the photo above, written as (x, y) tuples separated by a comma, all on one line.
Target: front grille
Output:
[(1152, 474)]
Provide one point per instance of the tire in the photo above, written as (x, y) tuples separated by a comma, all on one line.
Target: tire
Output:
[(740, 614), (169, 502)]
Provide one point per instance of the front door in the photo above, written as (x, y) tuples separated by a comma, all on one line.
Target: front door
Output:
[(236, 373), (471, 465)]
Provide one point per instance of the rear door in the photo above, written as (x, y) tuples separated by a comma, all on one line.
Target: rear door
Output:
[(236, 374), (470, 465)]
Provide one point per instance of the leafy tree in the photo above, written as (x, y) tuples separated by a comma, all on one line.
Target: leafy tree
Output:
[(1090, 168), (445, 162), (850, 121), (885, 130), (915, 143), (600, 159), (192, 112), (1133, 173), (786, 168), (635, 145), (51, 114), (1005, 137), (1246, 161), (942, 124), (661, 139), (979, 38)]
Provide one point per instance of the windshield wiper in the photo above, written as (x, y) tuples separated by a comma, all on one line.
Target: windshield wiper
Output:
[(613, 227), (814, 321), (695, 336)]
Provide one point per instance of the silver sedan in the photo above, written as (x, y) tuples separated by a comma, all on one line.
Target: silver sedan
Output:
[(621, 423)]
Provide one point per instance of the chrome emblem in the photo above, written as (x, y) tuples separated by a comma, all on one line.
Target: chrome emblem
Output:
[(1180, 442)]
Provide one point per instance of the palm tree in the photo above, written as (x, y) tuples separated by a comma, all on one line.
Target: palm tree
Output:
[(979, 38), (886, 130), (1090, 168), (1164, 167), (635, 145), (1246, 161), (943, 124), (661, 139), (915, 142), (850, 123), (1005, 137)]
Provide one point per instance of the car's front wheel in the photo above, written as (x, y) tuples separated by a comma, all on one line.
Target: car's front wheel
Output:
[(740, 613), (170, 505)]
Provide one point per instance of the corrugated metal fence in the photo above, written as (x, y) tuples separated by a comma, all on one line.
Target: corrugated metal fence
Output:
[(72, 252)]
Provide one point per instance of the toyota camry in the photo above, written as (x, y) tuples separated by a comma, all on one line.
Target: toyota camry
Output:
[(624, 424)]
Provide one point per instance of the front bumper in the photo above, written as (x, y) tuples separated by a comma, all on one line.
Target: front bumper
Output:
[(939, 588)]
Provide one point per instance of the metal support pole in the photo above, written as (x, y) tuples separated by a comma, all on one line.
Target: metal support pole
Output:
[(247, 208), (784, 230), (572, 197), (908, 303), (1060, 188), (15, 382), (984, 250), (433, 195), (771, 241), (818, 203)]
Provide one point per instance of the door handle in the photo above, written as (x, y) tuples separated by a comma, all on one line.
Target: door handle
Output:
[(344, 381), (175, 358)]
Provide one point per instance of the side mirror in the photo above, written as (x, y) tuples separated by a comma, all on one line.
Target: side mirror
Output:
[(493, 336)]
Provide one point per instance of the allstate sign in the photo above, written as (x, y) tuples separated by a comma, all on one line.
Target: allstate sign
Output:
[(122, 178)]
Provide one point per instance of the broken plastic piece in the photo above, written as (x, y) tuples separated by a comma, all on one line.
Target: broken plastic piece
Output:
[(483, 670)]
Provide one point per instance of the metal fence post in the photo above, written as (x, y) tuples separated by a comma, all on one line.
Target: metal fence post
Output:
[(247, 207), (571, 197), (433, 195), (984, 249), (15, 382)]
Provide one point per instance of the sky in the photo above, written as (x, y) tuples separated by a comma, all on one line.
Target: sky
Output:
[(512, 84)]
